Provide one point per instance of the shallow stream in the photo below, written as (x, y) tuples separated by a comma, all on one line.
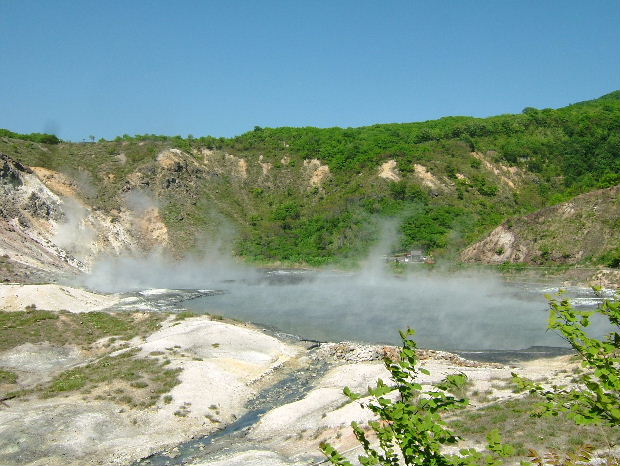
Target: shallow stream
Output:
[(232, 437)]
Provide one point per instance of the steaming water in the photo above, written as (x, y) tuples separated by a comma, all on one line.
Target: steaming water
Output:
[(462, 311), (452, 313)]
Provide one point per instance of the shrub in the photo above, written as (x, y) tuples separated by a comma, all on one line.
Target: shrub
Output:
[(411, 426), (596, 399)]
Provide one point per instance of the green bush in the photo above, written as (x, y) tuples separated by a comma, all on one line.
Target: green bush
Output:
[(596, 399), (411, 426), (42, 138)]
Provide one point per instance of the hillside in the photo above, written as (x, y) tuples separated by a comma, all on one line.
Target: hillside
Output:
[(582, 230), (47, 230), (317, 196)]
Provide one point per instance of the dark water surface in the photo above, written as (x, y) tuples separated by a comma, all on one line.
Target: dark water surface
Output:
[(450, 313)]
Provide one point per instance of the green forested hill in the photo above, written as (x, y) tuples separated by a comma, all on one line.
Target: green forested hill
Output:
[(310, 195), (578, 142)]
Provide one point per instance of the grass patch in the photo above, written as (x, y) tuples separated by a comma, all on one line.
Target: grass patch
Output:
[(60, 328), (5, 264), (7, 377), (138, 382), (512, 419), (185, 315)]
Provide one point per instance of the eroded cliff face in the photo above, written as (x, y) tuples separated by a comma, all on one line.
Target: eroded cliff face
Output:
[(52, 226), (47, 231), (29, 216), (582, 228)]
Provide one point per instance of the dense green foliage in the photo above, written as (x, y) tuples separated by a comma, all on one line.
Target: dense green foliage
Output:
[(42, 138), (287, 236), (550, 155), (578, 143), (569, 151), (430, 227)]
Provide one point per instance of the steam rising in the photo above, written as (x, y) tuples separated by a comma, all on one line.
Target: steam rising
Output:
[(121, 274), (73, 233), (139, 201), (449, 311)]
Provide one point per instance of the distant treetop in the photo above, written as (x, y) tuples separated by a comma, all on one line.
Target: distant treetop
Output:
[(42, 138)]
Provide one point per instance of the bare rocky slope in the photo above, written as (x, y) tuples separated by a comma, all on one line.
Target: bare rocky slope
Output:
[(582, 229), (48, 231)]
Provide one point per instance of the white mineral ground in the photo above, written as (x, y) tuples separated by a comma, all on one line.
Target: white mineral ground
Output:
[(223, 366), (15, 297)]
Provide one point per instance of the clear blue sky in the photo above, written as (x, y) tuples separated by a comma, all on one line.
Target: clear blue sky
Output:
[(108, 67)]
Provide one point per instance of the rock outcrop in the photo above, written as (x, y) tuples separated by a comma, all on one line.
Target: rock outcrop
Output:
[(29, 216), (584, 227), (47, 231)]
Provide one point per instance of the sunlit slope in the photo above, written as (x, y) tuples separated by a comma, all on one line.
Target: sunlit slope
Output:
[(310, 195), (583, 230)]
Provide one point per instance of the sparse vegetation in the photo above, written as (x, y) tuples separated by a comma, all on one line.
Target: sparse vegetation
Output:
[(185, 315), (596, 398), (60, 328), (7, 377), (5, 264), (512, 419), (139, 382), (411, 426)]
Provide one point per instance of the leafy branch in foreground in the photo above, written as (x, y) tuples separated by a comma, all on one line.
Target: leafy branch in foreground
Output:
[(595, 399), (410, 429)]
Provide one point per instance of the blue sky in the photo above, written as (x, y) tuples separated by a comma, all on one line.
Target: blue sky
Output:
[(105, 68)]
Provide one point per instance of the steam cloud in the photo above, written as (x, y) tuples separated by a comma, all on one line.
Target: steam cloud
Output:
[(73, 233), (139, 201), (448, 311), (467, 311)]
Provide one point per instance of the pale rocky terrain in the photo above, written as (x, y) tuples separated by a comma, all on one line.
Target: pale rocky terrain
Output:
[(510, 176), (47, 231), (16, 297), (291, 433), (223, 366), (389, 171)]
